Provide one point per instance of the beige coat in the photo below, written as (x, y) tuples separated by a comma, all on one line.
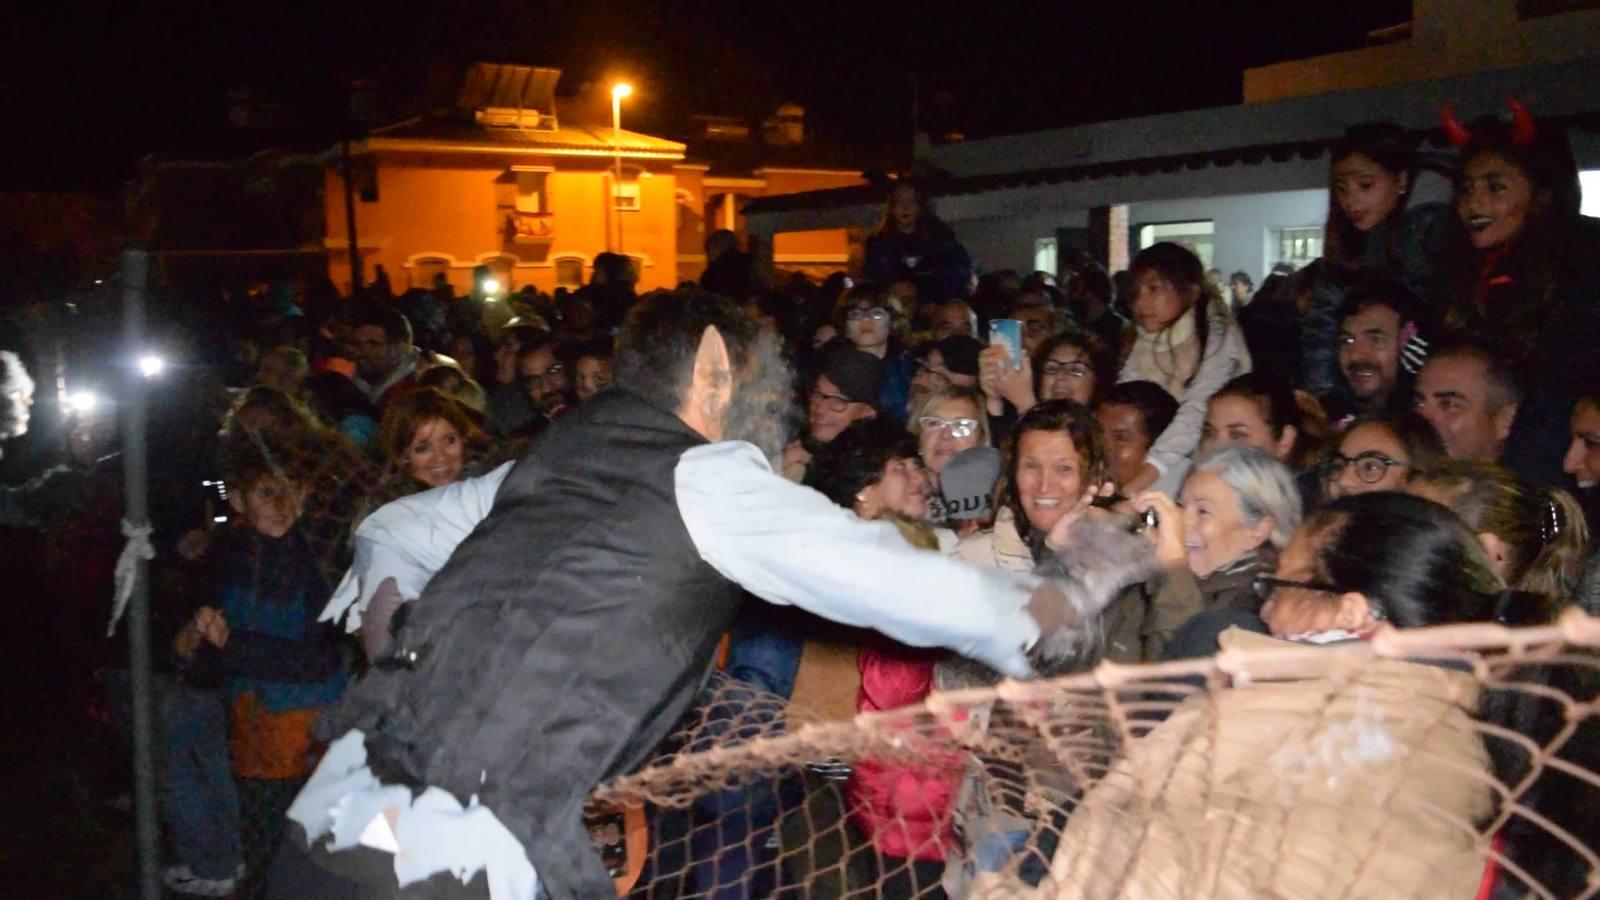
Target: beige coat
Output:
[(1001, 546), (1330, 786)]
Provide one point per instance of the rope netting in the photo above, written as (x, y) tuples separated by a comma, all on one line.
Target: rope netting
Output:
[(1445, 762)]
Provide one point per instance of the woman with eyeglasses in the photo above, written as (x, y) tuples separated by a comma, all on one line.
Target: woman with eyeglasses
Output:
[(1379, 454), (1358, 777), (1072, 365), (874, 322), (950, 420), (1237, 511)]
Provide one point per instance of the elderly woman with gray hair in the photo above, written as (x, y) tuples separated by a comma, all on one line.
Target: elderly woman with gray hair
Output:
[(1237, 510)]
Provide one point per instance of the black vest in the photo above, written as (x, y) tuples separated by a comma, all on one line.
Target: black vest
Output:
[(561, 642)]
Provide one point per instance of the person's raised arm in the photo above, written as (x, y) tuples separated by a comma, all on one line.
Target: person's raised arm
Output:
[(409, 540), (788, 544)]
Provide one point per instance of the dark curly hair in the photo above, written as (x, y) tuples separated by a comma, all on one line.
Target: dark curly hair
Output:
[(856, 459)]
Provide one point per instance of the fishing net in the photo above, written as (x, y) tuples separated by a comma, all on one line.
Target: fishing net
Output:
[(1447, 762)]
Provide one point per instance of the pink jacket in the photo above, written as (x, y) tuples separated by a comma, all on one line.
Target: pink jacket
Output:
[(904, 810)]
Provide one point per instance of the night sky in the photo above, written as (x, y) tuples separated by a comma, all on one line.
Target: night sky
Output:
[(91, 87)]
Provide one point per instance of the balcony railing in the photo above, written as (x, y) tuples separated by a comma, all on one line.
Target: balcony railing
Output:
[(531, 228)]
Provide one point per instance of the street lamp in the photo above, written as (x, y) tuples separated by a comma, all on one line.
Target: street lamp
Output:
[(618, 91)]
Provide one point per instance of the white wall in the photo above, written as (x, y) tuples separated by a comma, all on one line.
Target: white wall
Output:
[(1244, 223), (1007, 243)]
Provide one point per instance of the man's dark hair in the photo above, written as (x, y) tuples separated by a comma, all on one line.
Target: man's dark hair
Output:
[(658, 341), (1242, 277), (1380, 289), (855, 460), (1094, 282), (396, 327), (1154, 404), (721, 241)]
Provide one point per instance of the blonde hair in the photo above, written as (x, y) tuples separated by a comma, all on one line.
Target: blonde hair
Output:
[(952, 392)]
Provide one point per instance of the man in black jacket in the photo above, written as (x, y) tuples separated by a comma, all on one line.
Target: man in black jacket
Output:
[(571, 629)]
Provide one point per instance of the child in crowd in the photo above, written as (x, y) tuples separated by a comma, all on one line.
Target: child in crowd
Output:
[(1188, 344), (258, 635)]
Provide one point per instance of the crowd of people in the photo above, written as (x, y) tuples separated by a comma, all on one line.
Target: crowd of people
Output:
[(1404, 433)]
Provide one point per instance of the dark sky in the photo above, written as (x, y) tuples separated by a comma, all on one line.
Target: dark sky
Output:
[(89, 87)]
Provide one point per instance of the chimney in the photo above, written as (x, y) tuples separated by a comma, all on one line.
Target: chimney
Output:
[(786, 127)]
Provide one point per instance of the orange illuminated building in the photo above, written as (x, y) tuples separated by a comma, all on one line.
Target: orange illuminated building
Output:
[(500, 181)]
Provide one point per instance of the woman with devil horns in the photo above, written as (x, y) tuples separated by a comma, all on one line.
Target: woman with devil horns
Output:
[(1523, 274)]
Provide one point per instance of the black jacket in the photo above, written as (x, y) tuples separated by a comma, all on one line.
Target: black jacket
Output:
[(560, 643)]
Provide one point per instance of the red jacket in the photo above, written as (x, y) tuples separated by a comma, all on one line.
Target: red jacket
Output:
[(904, 810)]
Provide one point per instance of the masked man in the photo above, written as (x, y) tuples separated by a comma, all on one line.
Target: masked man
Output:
[(575, 624)]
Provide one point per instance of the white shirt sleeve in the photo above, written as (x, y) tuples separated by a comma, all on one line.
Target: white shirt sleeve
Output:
[(790, 545), (409, 540)]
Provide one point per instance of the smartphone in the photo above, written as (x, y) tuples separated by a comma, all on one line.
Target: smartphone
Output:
[(1007, 333)]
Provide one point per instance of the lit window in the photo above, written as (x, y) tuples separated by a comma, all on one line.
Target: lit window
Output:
[(1044, 255), (1298, 246), (628, 195), (1199, 237)]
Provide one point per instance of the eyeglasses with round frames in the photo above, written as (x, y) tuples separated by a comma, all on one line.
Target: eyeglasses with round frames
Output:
[(1370, 466)]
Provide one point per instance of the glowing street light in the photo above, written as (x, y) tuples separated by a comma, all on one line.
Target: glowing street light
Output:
[(151, 365), (618, 91), (491, 286), (83, 402)]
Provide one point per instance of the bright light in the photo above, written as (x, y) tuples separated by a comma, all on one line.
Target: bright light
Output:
[(83, 402), (491, 285), (151, 365), (621, 90)]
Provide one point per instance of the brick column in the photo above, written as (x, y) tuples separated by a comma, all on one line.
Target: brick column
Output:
[(1108, 236)]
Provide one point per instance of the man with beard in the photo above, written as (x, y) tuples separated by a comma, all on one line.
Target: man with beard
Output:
[(574, 626), (386, 362), (1380, 350)]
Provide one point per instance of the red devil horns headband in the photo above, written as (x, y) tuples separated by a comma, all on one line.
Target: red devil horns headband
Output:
[(1523, 128)]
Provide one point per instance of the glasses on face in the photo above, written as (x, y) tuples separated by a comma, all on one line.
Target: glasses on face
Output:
[(830, 402), (876, 314), (1034, 327), (551, 374), (1068, 369), (1265, 586), (956, 428), (1370, 467), (939, 377)]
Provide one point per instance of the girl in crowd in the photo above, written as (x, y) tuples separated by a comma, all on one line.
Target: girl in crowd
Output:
[(592, 370), (1262, 410), (1380, 454), (951, 420), (1524, 271), (1131, 414), (1187, 343), (875, 323), (427, 440), (1239, 508), (1380, 558), (914, 246), (1536, 538), (1372, 224)]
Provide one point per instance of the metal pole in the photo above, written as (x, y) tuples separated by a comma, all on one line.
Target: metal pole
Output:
[(348, 175), (134, 264), (616, 178)]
